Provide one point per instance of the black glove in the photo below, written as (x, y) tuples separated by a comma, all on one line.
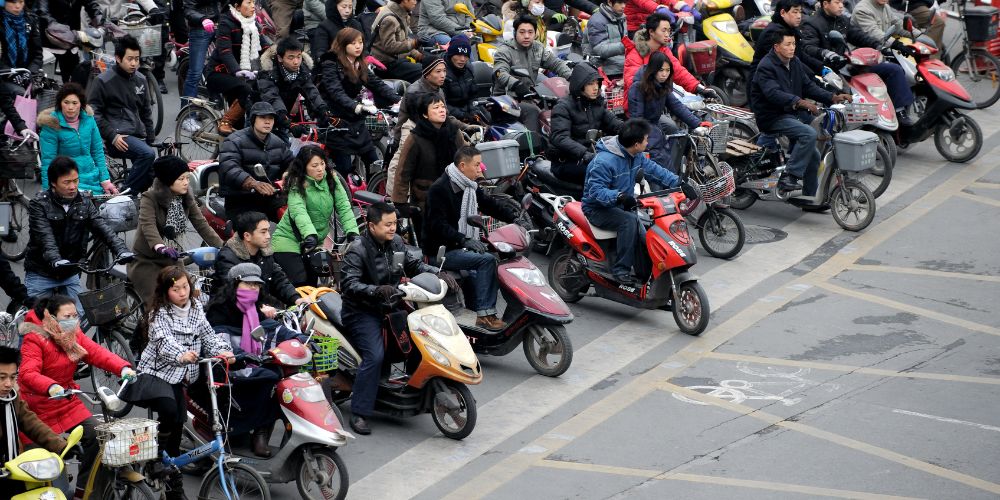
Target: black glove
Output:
[(708, 92), (691, 190), (836, 62), (351, 237), (310, 242), (448, 280), (385, 291), (75, 452), (587, 157), (474, 245), (298, 130), (125, 258), (627, 201), (155, 16), (522, 88)]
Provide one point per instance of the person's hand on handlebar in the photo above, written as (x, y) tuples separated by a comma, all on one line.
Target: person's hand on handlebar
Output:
[(61, 263), (56, 390), (268, 311), (249, 75), (188, 358), (125, 258), (128, 374), (109, 187), (385, 291), (166, 251), (309, 243), (29, 134), (691, 190), (840, 98), (522, 88), (228, 356), (474, 245), (627, 201), (808, 106)]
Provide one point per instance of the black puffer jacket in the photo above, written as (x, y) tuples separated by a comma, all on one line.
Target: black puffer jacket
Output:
[(328, 29), (11, 285), (60, 234), (460, 91), (276, 89), (196, 11), (769, 37), (574, 115), (342, 95), (121, 105), (242, 150), (444, 208), (776, 89), (368, 264), (816, 27), (276, 281), (32, 58)]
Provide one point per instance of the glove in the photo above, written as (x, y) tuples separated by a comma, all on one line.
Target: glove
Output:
[(385, 291), (168, 252), (663, 9), (474, 245), (627, 201), (836, 61), (156, 16), (708, 92), (808, 106), (62, 263), (587, 157), (706, 124), (559, 17), (448, 280), (691, 191), (298, 130), (209, 25), (125, 258), (22, 79), (249, 75), (475, 133), (56, 389), (29, 134), (128, 374), (900, 46), (369, 109), (522, 88), (310, 242)]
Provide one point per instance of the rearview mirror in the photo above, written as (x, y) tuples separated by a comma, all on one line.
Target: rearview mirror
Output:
[(461, 8), (398, 258), (521, 72), (258, 333), (258, 170), (74, 439), (477, 221), (835, 36)]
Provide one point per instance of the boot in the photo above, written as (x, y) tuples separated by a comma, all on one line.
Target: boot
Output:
[(903, 115), (261, 437), (175, 486), (233, 114)]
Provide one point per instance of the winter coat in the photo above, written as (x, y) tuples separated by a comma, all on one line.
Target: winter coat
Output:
[(391, 36), (170, 336), (439, 17), (511, 55), (651, 108), (765, 44), (32, 427), (423, 158), (241, 151), (196, 11), (121, 105), (310, 213), (83, 145), (11, 285), (421, 86), (584, 5), (776, 88), (67, 12), (226, 316), (329, 26), (281, 93), (276, 282), (636, 11), (32, 58), (605, 31), (874, 20), (343, 96), (44, 364), (815, 28), (460, 91), (229, 45), (314, 13), (444, 208), (57, 233), (574, 115), (153, 205), (613, 171), (367, 265), (637, 55)]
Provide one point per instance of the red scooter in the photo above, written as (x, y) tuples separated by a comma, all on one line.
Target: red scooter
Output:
[(588, 255)]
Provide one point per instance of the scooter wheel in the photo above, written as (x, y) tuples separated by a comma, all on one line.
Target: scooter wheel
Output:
[(548, 349), (454, 410), (332, 473), (878, 178), (889, 142), (566, 277), (852, 205), (691, 308), (960, 142)]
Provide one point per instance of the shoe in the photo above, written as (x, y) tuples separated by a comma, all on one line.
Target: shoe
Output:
[(490, 322), (788, 182), (360, 425), (175, 486), (234, 113), (191, 124), (261, 437), (627, 281), (903, 115), (163, 87), (816, 208)]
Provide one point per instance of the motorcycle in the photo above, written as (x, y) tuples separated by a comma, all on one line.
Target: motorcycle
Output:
[(438, 361), (37, 468)]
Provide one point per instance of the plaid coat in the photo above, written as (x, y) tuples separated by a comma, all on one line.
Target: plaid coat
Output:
[(170, 337)]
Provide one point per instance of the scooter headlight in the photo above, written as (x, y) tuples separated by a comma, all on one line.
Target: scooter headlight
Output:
[(504, 247), (533, 277), (879, 92), (945, 74), (436, 354), (42, 470), (728, 26), (437, 324)]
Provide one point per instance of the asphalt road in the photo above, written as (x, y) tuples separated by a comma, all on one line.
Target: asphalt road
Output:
[(854, 365)]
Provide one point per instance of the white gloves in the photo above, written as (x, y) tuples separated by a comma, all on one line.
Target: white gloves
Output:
[(29, 134), (475, 134), (249, 75)]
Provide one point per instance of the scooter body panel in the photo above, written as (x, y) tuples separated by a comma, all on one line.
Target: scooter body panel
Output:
[(874, 91), (723, 29)]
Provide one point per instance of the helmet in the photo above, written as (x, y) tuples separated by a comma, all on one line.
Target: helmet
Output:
[(60, 36), (120, 214)]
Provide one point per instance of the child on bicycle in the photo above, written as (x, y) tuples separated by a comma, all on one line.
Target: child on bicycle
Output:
[(53, 346), (179, 334)]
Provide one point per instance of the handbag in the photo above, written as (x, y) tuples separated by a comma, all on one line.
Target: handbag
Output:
[(27, 107), (18, 159)]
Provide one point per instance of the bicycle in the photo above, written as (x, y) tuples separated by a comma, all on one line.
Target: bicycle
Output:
[(198, 124), (118, 169), (14, 244), (229, 479)]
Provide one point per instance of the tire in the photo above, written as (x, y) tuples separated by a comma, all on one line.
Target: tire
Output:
[(121, 490), (248, 483), (878, 178), (691, 308), (538, 350), (723, 96), (721, 232), (116, 343), (329, 463), (735, 89), (562, 267), (442, 407), (890, 145), (742, 199), (182, 71), (980, 78), (963, 152), (15, 245), (739, 129), (377, 183), (154, 94), (201, 144), (852, 205)]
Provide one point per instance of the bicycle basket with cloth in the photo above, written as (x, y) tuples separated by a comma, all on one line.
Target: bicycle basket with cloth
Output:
[(120, 213)]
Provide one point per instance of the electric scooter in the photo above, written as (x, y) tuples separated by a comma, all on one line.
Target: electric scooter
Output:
[(37, 468), (735, 53)]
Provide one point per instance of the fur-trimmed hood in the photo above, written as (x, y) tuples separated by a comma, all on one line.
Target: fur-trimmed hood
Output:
[(641, 42), (48, 118), (235, 243), (269, 59)]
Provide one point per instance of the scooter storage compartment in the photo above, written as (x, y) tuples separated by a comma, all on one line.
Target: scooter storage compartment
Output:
[(856, 150), (702, 56), (981, 23), (501, 158)]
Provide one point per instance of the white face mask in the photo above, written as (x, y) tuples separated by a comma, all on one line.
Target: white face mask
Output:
[(537, 9)]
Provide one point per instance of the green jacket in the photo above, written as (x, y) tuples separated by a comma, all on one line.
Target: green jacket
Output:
[(311, 215)]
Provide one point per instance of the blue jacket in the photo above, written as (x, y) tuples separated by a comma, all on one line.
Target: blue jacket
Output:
[(613, 171), (640, 106), (85, 147)]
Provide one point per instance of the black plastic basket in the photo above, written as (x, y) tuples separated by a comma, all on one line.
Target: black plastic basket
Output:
[(107, 305), (981, 23), (18, 159)]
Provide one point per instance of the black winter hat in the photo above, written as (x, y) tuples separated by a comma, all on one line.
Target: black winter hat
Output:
[(169, 168)]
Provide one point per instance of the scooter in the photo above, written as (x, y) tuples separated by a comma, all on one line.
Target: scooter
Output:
[(535, 315), (735, 53), (586, 258), (313, 428), (486, 30), (438, 361), (37, 468)]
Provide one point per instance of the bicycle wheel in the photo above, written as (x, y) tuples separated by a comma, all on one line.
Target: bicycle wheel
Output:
[(878, 178), (15, 244), (243, 483), (182, 72), (721, 232), (197, 126), (117, 344), (377, 183), (980, 75), (122, 490), (156, 101)]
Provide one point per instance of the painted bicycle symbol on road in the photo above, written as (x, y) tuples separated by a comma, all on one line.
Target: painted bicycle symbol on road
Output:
[(738, 391)]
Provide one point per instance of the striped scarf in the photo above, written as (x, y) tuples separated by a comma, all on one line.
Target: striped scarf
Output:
[(16, 31)]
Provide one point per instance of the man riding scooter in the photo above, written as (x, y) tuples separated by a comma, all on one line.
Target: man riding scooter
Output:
[(779, 94), (369, 281), (608, 194)]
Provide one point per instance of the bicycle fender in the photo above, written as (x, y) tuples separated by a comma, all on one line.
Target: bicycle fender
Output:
[(131, 475)]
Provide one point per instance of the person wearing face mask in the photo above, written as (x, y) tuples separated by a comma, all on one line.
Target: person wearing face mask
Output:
[(165, 210), (573, 116), (251, 243), (61, 221), (545, 18), (339, 14), (438, 21), (71, 130), (52, 348)]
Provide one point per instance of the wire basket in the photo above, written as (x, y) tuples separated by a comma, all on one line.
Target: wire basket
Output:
[(719, 135), (377, 124), (127, 441), (149, 37), (324, 357), (616, 100), (720, 185), (857, 113), (106, 305)]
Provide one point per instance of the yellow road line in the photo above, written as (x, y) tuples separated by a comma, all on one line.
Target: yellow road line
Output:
[(819, 365), (981, 199), (837, 439), (715, 480), (923, 272), (920, 311)]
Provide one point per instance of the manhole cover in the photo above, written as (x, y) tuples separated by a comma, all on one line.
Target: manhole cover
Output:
[(763, 234)]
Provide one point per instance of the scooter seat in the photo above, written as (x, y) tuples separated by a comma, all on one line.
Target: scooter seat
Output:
[(543, 168), (332, 305), (574, 210), (218, 204)]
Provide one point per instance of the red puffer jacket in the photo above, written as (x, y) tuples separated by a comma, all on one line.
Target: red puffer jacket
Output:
[(637, 55), (636, 11), (44, 363)]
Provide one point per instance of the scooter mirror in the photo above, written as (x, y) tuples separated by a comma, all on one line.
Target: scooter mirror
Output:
[(398, 258), (258, 334), (836, 36), (440, 255), (477, 221), (461, 8), (259, 171), (74, 439), (521, 72)]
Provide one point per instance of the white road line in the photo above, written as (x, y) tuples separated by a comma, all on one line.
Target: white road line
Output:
[(947, 419), (513, 411)]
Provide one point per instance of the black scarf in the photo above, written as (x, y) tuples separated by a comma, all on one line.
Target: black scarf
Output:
[(443, 139)]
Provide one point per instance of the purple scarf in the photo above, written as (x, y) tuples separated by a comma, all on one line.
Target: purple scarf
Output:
[(246, 301)]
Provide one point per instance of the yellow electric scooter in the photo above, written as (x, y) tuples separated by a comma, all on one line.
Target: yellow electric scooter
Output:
[(486, 31), (735, 53), (37, 468)]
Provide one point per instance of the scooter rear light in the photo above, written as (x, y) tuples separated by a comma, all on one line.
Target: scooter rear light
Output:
[(679, 231)]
